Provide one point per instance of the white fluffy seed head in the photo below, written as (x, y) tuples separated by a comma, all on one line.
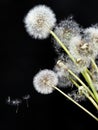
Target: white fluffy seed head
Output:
[(39, 20), (63, 74), (66, 29), (44, 80), (81, 47), (81, 51), (74, 46), (91, 34)]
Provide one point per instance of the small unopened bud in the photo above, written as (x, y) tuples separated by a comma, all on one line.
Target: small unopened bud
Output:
[(85, 46), (61, 65), (82, 90), (79, 60)]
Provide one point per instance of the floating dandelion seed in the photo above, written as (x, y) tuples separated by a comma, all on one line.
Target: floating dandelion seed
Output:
[(26, 97), (15, 102), (39, 20), (43, 81), (8, 100)]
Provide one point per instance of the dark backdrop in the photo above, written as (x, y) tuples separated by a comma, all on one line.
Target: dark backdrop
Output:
[(21, 57)]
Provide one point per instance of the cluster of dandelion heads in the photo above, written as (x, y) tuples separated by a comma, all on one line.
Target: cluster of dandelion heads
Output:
[(39, 20), (44, 80), (65, 30)]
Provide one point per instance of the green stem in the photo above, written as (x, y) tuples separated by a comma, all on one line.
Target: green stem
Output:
[(84, 109), (63, 46), (94, 64), (89, 91), (92, 101), (89, 81), (61, 64), (89, 97)]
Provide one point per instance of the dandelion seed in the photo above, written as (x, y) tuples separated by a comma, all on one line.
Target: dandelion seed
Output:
[(8, 100), (15, 102), (43, 81), (26, 97), (39, 20)]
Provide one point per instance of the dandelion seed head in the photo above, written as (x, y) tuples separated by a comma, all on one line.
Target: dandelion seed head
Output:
[(81, 51), (39, 20), (61, 68), (91, 34), (44, 80), (63, 77), (75, 47), (65, 30)]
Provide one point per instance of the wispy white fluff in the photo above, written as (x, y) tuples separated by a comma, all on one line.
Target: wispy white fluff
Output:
[(91, 34), (43, 80), (39, 20), (77, 96), (74, 45), (79, 52), (66, 29), (63, 77)]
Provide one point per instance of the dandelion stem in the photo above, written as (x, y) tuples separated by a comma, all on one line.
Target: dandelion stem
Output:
[(89, 81), (75, 83), (82, 83), (93, 116), (92, 101), (86, 94), (61, 64), (63, 46), (94, 64)]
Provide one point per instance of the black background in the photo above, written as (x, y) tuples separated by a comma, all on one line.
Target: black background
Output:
[(21, 57)]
